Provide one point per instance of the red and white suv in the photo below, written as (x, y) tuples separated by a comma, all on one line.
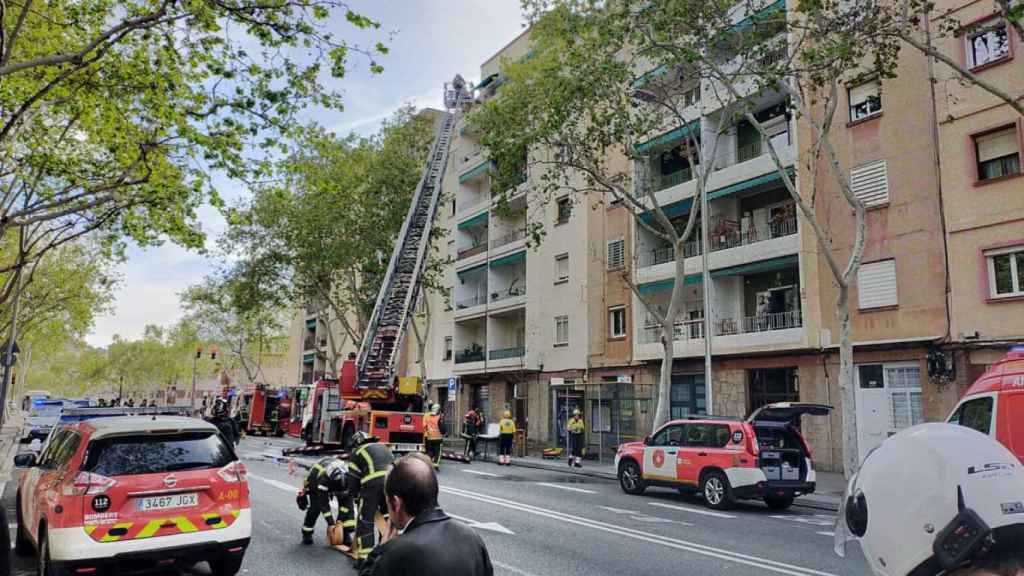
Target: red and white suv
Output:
[(133, 493), (763, 457)]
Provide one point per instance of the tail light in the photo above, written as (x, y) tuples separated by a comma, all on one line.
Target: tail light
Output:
[(234, 472), (803, 442), (89, 483), (752, 447)]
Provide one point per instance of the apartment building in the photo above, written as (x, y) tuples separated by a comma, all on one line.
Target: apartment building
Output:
[(310, 354)]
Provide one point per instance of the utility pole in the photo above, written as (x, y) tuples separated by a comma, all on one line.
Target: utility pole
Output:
[(708, 294), (120, 389), (195, 360)]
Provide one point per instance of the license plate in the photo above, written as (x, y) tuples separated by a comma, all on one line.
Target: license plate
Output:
[(185, 500), (770, 455), (406, 447)]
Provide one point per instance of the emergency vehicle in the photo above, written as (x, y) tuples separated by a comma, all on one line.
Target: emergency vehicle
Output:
[(133, 493), (726, 459), (260, 402), (994, 404)]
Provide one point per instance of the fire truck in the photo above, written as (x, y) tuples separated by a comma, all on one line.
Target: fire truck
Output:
[(370, 395), (257, 406)]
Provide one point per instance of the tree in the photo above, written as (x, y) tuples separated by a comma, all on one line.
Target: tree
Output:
[(114, 116), (604, 80)]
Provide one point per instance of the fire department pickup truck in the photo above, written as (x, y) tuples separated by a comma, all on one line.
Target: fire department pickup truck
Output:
[(133, 492)]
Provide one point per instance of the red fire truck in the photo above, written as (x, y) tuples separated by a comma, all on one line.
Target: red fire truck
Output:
[(258, 405)]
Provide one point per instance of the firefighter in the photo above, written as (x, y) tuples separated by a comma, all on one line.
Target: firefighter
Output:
[(326, 480), (472, 424), (575, 427), (507, 432), (275, 418), (368, 467), (225, 424), (432, 433)]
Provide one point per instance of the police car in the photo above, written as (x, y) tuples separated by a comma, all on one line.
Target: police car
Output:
[(135, 493)]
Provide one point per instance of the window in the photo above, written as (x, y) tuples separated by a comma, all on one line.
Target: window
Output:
[(1006, 272), (447, 347), (562, 268), (132, 455), (691, 96), (707, 435), (870, 183), (975, 414), (564, 210), (561, 330), (616, 254), (865, 100), (687, 395), (769, 385), (876, 285), (452, 210), (904, 386), (988, 44), (617, 322), (669, 436), (997, 154)]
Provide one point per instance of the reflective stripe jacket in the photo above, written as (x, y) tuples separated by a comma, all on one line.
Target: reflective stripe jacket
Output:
[(369, 462), (319, 476), (575, 425), (432, 426), (507, 426)]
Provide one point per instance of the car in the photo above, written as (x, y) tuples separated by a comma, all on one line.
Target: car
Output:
[(726, 459), (994, 404), (132, 494), (43, 416)]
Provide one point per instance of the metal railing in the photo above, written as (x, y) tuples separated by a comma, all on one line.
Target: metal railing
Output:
[(667, 254), (663, 181), (464, 356), (504, 353), (472, 251), (748, 151), (470, 302), (506, 294), (732, 238), (479, 201), (508, 238), (681, 330), (759, 323)]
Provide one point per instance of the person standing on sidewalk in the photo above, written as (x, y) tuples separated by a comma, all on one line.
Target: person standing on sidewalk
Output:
[(506, 436), (432, 432), (575, 427), (472, 425)]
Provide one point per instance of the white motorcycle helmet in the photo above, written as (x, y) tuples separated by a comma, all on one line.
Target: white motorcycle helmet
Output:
[(931, 499)]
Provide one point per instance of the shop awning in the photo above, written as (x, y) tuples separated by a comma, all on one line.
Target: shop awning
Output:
[(476, 268), (510, 259), (756, 267), (476, 171), (667, 284), (669, 137), (763, 180), (671, 210), (478, 220)]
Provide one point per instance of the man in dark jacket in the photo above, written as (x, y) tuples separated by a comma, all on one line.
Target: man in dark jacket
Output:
[(225, 424), (423, 540)]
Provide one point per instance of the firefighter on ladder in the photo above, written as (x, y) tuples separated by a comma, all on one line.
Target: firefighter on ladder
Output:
[(368, 467), (432, 432), (575, 427), (326, 479)]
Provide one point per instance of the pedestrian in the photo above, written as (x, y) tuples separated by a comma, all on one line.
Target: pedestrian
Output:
[(575, 427), (326, 480), (507, 432), (131, 402), (368, 466), (471, 426), (432, 434), (422, 539), (936, 499), (225, 424)]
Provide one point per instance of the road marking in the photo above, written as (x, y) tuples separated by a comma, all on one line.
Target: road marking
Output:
[(619, 531), (832, 534), (508, 568), (274, 483), (812, 520), (570, 488), (693, 510), (479, 473), (644, 518), (492, 526), (617, 510)]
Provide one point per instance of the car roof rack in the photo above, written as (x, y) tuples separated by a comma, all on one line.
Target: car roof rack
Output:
[(130, 411)]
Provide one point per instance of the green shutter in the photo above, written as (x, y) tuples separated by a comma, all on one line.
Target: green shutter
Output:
[(756, 267), (748, 184)]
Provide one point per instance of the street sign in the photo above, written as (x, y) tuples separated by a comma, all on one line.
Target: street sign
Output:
[(624, 379), (452, 387)]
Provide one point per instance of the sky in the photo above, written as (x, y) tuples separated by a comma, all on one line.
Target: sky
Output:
[(430, 41)]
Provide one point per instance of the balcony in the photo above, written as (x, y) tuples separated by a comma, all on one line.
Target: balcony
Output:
[(682, 330), (312, 377), (475, 353), (473, 250), (309, 342), (748, 151), (470, 306), (506, 353), (731, 237), (667, 254), (662, 181), (759, 323), (508, 239)]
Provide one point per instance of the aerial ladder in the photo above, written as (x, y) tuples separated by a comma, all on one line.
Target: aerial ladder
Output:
[(370, 395)]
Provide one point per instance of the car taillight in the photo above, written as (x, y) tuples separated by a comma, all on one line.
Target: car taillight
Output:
[(803, 442), (89, 483), (752, 446), (234, 472)]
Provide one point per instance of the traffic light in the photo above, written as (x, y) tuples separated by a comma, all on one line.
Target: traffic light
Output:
[(199, 352), (213, 352)]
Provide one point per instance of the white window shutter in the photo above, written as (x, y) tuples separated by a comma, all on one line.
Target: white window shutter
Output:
[(616, 254), (870, 183), (996, 145), (863, 91), (876, 285)]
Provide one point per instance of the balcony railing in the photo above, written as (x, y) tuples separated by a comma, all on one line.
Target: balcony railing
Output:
[(309, 343), (759, 323), (730, 237), (464, 356), (748, 151), (506, 294), (472, 204), (503, 353), (470, 302), (508, 239), (472, 251), (682, 330), (667, 254), (663, 181), (311, 377)]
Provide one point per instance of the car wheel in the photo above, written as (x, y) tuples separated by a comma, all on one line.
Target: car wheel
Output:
[(716, 490), (44, 566), (630, 479), (22, 545), (778, 502), (226, 565)]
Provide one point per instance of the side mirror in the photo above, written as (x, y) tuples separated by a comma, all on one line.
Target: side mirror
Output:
[(647, 440), (25, 460)]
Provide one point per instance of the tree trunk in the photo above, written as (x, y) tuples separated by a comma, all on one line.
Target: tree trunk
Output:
[(851, 457), (664, 390)]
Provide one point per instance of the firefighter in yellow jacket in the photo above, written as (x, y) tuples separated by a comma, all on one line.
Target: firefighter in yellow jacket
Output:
[(507, 433), (575, 428), (433, 439)]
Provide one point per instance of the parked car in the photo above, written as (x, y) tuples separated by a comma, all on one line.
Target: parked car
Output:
[(135, 493), (726, 459), (42, 417), (994, 404)]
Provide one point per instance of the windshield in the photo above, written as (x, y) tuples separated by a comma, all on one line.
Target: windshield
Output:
[(157, 454), (46, 410)]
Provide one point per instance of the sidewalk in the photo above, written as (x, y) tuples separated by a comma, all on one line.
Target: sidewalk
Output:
[(9, 436), (830, 485)]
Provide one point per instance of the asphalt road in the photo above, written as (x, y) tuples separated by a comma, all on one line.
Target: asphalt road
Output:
[(544, 523)]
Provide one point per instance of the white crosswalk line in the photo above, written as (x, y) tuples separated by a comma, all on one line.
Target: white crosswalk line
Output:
[(511, 569), (274, 483), (481, 473), (832, 534), (569, 488), (692, 510)]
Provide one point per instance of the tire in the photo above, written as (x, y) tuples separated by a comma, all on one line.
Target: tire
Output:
[(778, 502), (717, 492), (44, 566), (630, 479), (226, 565), (22, 545), (5, 545)]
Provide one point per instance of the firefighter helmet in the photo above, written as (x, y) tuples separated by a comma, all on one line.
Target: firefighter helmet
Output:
[(435, 408)]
